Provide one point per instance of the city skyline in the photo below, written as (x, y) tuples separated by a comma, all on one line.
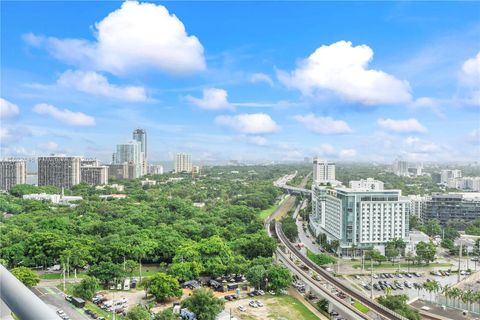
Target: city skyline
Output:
[(328, 84)]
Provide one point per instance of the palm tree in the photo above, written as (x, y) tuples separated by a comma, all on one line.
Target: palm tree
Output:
[(388, 291), (468, 297), (446, 292), (455, 293)]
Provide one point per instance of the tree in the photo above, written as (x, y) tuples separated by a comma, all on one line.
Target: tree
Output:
[(166, 315), (431, 227), (289, 228), (86, 288), (375, 255), (257, 245), (26, 276), (130, 266), (204, 304), (391, 251), (321, 259), (138, 313), (279, 278), (256, 275), (426, 251), (322, 304), (107, 272), (163, 286), (398, 303)]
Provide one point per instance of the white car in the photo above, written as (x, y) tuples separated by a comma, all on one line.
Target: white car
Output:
[(242, 308), (259, 303), (375, 276), (253, 304)]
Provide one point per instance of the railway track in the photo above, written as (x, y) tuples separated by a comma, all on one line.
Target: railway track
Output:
[(372, 305)]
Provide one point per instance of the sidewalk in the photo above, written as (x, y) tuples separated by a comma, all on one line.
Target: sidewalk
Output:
[(294, 293)]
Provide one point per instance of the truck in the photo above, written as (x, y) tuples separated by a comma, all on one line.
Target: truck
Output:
[(78, 302)]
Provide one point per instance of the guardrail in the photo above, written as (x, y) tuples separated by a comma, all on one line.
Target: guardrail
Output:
[(23, 302)]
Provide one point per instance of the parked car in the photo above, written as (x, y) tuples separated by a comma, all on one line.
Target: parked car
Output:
[(242, 308), (259, 303), (253, 304)]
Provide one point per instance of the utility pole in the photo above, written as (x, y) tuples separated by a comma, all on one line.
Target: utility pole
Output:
[(459, 258), (64, 280), (371, 279), (113, 305), (363, 261), (75, 275), (68, 267)]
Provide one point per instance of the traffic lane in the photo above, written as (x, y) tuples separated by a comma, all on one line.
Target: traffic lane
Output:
[(305, 238), (54, 297)]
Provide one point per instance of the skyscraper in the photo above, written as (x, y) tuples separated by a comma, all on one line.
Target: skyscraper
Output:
[(183, 162), (323, 171), (140, 135), (94, 175), (58, 171), (130, 153), (12, 172)]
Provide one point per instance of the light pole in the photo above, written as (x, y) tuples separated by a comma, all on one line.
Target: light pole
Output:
[(371, 278)]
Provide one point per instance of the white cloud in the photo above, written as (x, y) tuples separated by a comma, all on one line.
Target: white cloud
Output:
[(212, 99), (261, 77), (474, 136), (257, 140), (8, 109), (343, 70), (323, 125), (403, 126), (95, 83), (66, 116), (5, 134), (326, 149), (416, 145), (428, 103), (249, 123), (138, 36), (347, 153), (48, 146), (470, 79)]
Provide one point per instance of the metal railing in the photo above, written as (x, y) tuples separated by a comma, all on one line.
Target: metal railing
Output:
[(23, 302)]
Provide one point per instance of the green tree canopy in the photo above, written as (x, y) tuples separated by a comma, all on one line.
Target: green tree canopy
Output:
[(138, 313), (86, 288), (26, 276), (204, 304), (163, 286)]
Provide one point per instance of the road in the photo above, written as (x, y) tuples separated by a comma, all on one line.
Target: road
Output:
[(51, 295)]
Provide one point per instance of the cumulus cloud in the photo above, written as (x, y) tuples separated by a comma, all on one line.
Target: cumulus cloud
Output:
[(327, 150), (261, 77), (470, 79), (95, 83), (474, 136), (432, 104), (416, 145), (212, 99), (343, 69), (137, 36), (8, 109), (323, 125), (66, 116), (403, 126), (257, 140), (249, 123)]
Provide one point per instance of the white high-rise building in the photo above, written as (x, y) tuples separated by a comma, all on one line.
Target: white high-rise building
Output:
[(94, 175), (417, 206), (12, 172), (366, 184), (58, 171), (323, 171), (140, 135), (401, 168), (363, 219), (155, 169), (448, 174), (183, 162), (132, 154)]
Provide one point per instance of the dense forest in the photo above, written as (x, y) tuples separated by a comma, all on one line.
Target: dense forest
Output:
[(206, 224)]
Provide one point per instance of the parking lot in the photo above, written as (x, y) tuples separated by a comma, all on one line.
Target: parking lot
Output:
[(403, 283)]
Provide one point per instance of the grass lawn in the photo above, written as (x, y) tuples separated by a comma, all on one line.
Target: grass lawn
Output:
[(147, 270), (265, 213), (301, 310), (402, 265), (360, 307)]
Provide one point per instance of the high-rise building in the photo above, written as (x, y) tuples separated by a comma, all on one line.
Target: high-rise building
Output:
[(448, 174), (130, 153), (118, 171), (58, 171), (94, 175), (89, 162), (155, 169), (183, 162), (140, 135), (12, 172), (366, 184), (323, 171), (417, 206), (401, 168), (445, 207), (363, 219)]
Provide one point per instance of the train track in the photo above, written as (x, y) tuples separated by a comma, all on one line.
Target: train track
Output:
[(377, 308)]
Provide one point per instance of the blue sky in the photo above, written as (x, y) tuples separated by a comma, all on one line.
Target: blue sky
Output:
[(242, 80)]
